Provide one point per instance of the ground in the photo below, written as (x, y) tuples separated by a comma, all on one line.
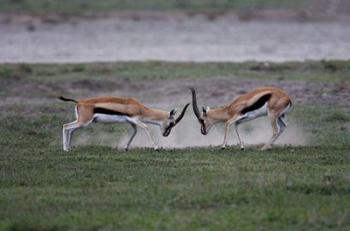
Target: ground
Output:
[(295, 186)]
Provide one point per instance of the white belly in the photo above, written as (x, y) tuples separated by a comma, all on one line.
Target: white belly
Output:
[(111, 118), (253, 114)]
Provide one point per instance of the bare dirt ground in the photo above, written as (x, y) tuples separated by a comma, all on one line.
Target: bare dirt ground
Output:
[(212, 91), (173, 37)]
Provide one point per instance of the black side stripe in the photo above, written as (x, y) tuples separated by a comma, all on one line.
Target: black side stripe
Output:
[(258, 104), (99, 110)]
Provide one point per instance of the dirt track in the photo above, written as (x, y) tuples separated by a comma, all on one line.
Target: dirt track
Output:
[(172, 38)]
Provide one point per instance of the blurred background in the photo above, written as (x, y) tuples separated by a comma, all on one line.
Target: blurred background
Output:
[(50, 31)]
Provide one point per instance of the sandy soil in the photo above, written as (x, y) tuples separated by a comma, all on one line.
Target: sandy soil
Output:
[(173, 37)]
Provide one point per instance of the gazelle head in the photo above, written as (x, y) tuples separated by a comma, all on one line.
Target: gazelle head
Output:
[(205, 121), (171, 121)]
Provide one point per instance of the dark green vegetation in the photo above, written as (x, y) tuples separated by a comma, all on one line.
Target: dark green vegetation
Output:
[(95, 187), (323, 71), (78, 6)]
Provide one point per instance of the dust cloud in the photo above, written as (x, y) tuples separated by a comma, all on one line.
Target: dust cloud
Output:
[(187, 134)]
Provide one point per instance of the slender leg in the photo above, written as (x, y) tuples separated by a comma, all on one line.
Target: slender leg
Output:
[(66, 135), (227, 128), (132, 136), (68, 129), (70, 133), (239, 138), (276, 131), (146, 129), (282, 126)]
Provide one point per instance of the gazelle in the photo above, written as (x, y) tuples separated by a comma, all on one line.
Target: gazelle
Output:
[(270, 101), (122, 110)]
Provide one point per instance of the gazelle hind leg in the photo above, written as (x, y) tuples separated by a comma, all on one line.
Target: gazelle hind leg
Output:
[(132, 136), (275, 132), (278, 127), (67, 133), (68, 130), (84, 115), (282, 125), (281, 128)]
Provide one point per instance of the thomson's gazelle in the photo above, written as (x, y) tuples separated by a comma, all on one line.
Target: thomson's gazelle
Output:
[(123, 110), (270, 101)]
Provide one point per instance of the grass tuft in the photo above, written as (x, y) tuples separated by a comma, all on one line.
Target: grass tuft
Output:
[(337, 116)]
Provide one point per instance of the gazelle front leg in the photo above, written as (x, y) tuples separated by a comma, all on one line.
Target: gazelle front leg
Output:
[(132, 136), (146, 129), (227, 128)]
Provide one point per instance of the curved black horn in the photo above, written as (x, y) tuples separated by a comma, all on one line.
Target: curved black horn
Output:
[(194, 103), (182, 114)]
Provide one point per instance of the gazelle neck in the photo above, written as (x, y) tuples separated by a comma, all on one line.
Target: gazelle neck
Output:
[(219, 114), (154, 115)]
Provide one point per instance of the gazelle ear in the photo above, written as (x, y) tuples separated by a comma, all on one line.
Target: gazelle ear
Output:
[(172, 113), (205, 110)]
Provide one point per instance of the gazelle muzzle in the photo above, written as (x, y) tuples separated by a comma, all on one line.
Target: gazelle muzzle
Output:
[(203, 127), (168, 129), (177, 120)]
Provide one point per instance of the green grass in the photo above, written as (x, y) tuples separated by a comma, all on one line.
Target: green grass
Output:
[(91, 187), (79, 6), (95, 187), (323, 71)]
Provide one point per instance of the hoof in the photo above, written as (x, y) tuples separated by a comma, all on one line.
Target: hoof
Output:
[(242, 148), (156, 149), (223, 147), (126, 148)]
